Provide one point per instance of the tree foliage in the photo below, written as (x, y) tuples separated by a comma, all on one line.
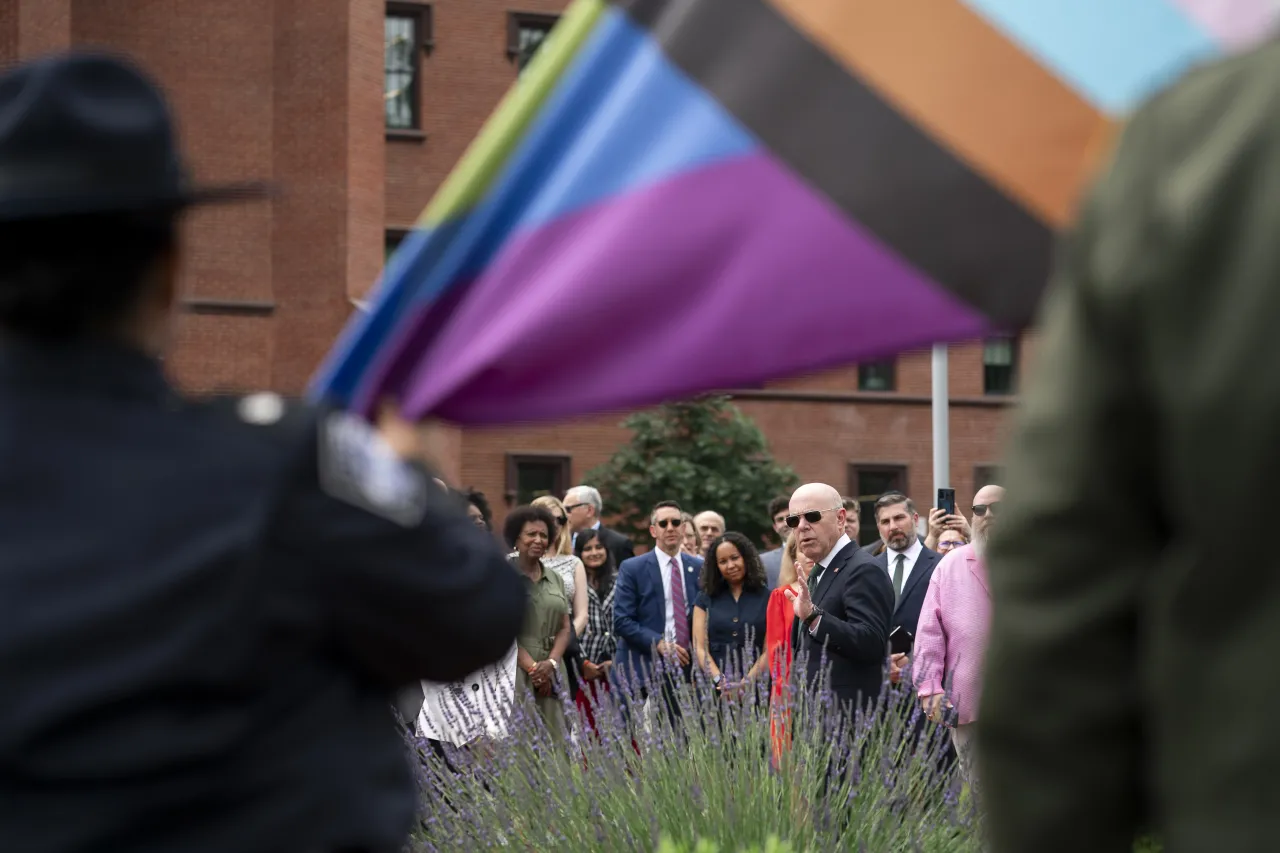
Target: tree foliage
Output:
[(704, 453)]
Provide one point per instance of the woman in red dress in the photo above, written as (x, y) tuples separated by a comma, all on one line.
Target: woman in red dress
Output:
[(777, 645)]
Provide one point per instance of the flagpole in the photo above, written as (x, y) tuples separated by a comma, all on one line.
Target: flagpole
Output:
[(941, 424)]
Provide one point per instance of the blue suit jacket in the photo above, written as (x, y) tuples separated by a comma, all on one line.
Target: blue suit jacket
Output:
[(639, 609)]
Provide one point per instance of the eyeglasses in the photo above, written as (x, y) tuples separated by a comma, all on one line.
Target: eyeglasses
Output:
[(669, 522), (572, 507), (949, 544), (982, 509), (813, 516)]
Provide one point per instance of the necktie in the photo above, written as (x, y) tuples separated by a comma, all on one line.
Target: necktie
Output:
[(814, 574), (679, 613), (898, 571)]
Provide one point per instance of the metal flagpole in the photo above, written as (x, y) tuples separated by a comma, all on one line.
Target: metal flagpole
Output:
[(941, 423)]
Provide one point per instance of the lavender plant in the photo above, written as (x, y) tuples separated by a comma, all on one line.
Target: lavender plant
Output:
[(704, 778)]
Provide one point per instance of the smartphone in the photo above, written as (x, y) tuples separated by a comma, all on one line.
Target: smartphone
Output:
[(947, 501), (901, 641)]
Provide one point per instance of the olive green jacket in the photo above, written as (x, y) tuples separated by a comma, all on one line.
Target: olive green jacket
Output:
[(1133, 670)]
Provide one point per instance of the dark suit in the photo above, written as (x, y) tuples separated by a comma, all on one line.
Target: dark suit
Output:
[(639, 610), (202, 629), (857, 599), (618, 546), (907, 611)]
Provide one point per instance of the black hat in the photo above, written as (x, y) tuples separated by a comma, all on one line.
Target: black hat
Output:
[(89, 133)]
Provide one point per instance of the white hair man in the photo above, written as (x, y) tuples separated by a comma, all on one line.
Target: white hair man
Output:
[(710, 525), (583, 506)]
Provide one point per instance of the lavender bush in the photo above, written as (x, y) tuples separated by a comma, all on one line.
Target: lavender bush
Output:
[(706, 783)]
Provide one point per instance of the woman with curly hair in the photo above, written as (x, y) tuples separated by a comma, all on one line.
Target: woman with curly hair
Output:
[(729, 614)]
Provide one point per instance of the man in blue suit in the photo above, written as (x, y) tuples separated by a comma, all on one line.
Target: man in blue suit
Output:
[(653, 604)]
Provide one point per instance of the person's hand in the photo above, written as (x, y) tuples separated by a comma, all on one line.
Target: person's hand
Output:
[(544, 672), (798, 595), (671, 651), (400, 434), (897, 663), (544, 689), (937, 523), (591, 672), (932, 706), (961, 524)]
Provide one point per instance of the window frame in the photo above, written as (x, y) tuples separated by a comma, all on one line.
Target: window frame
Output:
[(424, 42), (517, 21), (899, 471), (1014, 346), (892, 363), (562, 461)]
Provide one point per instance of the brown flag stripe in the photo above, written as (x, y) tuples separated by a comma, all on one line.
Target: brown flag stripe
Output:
[(850, 144)]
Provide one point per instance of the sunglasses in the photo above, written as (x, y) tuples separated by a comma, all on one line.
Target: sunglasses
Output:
[(669, 522), (813, 516), (982, 509), (572, 507)]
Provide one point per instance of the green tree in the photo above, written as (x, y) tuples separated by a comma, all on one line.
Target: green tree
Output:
[(704, 453)]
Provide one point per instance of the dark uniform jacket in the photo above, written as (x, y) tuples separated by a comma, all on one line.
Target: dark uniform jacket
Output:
[(204, 609), (1130, 678)]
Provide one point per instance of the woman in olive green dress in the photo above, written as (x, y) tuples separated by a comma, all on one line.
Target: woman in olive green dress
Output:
[(545, 635)]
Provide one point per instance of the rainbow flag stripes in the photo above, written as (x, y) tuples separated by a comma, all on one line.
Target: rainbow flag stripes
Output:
[(683, 195)]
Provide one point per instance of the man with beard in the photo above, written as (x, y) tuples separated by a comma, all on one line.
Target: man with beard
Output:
[(952, 636), (908, 564)]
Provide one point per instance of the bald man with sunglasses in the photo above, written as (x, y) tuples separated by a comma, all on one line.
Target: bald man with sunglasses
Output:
[(844, 605)]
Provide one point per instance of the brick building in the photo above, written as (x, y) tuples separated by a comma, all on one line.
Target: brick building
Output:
[(358, 109)]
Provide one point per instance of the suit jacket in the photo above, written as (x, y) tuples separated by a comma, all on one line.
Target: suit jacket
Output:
[(772, 561), (619, 546), (1132, 646), (857, 599), (639, 609), (907, 611)]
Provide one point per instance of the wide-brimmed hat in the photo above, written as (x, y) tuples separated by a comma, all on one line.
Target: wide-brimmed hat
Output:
[(84, 133)]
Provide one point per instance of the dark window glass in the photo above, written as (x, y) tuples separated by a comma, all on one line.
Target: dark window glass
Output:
[(999, 365), (401, 38), (877, 375), (867, 484)]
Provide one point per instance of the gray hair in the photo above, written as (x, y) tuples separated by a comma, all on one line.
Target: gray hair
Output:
[(588, 495)]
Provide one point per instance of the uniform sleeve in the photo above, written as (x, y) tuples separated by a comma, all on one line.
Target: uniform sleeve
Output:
[(1060, 752), (409, 588)]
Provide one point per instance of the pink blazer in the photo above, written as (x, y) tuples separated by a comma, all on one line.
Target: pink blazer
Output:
[(951, 636)]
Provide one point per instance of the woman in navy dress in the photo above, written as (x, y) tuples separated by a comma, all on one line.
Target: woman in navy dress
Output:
[(730, 613)]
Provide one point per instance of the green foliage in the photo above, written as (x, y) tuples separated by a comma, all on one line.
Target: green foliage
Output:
[(704, 453)]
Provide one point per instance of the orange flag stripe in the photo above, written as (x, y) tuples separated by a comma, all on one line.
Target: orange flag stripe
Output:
[(963, 83)]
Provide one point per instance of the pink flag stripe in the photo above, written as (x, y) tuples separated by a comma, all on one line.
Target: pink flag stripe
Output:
[(1233, 23), (756, 276)]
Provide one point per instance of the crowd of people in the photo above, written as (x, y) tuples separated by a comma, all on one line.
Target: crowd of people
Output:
[(910, 605)]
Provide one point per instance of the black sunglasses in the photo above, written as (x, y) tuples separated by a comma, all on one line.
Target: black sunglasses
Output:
[(982, 509), (813, 516), (669, 522)]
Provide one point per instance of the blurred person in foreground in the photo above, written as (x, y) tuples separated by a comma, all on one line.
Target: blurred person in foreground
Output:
[(206, 663), (1133, 638)]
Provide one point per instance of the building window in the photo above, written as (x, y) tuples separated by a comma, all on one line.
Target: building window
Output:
[(532, 476), (867, 483), (878, 375), (525, 34), (999, 365), (987, 475), (406, 37), (394, 237)]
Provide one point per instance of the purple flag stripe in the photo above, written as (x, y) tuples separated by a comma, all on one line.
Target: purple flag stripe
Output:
[(757, 277)]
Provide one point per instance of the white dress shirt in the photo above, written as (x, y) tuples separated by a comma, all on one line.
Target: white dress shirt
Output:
[(912, 554), (822, 569), (664, 571)]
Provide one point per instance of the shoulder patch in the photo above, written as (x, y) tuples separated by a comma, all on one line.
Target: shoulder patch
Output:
[(357, 467)]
